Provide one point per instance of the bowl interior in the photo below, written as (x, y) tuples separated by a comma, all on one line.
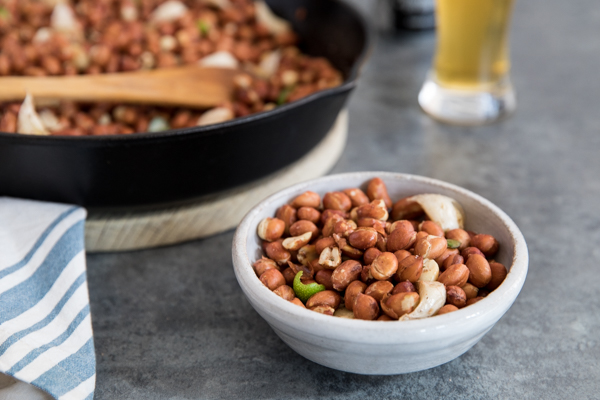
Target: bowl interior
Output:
[(480, 216)]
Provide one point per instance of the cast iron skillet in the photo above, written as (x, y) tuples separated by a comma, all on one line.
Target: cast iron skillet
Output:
[(180, 165)]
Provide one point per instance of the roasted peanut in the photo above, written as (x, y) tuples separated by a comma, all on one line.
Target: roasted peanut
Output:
[(285, 292), (410, 269), (322, 243), (365, 307), (470, 290), (461, 236), (344, 227), (379, 289), (402, 237), (306, 254), (301, 227), (329, 298), (352, 291), (275, 251), (474, 300), (363, 238), (399, 304), (430, 246), (486, 243), (376, 190), (370, 255), (323, 309), (307, 199), (345, 273), (309, 214), (326, 214), (337, 201), (466, 253), (272, 279), (287, 214), (498, 275), (402, 254), (323, 277), (329, 225), (296, 242), (384, 266), (375, 209), (289, 275), (357, 197), (271, 229), (330, 257), (406, 209), (455, 259), (456, 296), (480, 273), (403, 287), (445, 255), (455, 275), (447, 309), (264, 264), (431, 228), (297, 302)]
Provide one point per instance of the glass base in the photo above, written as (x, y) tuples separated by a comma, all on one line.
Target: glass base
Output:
[(467, 107)]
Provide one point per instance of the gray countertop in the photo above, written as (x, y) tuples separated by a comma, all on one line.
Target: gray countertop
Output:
[(172, 323)]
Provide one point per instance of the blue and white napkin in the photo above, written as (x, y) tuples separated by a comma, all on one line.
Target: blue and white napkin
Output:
[(45, 326)]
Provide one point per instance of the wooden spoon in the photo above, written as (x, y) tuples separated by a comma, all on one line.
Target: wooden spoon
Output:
[(189, 86)]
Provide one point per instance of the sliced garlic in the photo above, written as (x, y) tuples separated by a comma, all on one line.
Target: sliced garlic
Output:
[(431, 271), (28, 121), (50, 120), (42, 35), (63, 19), (169, 11), (444, 210), (215, 116), (432, 297), (269, 64), (272, 22), (219, 59)]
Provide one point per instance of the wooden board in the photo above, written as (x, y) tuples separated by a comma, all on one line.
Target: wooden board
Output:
[(131, 230)]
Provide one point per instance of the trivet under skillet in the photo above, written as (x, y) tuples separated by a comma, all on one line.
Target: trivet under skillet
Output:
[(130, 230)]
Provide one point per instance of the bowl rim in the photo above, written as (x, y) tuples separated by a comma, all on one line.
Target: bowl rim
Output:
[(483, 313)]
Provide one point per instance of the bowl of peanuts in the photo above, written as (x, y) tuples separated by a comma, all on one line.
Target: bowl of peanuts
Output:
[(298, 61), (379, 273)]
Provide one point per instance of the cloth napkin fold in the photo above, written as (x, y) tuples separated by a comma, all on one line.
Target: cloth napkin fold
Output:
[(45, 324)]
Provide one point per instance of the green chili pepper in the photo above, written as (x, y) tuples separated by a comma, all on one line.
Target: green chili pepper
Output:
[(304, 292)]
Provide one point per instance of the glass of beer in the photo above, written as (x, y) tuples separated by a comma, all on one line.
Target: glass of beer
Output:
[(469, 83)]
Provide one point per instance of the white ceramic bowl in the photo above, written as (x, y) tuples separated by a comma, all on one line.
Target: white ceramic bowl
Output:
[(383, 347)]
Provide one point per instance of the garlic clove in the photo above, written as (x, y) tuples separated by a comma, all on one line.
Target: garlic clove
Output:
[(215, 116), (219, 59), (272, 22), (432, 297), (269, 64), (444, 210), (50, 120), (63, 20), (169, 11), (431, 271), (28, 121)]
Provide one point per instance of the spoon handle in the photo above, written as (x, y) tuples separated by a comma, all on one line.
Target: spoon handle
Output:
[(188, 86)]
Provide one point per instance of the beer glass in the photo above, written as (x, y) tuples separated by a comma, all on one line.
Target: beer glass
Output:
[(469, 83)]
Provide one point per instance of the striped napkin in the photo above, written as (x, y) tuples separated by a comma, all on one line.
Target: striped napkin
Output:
[(45, 326)]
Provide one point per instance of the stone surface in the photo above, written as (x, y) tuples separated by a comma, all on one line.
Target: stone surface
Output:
[(172, 323)]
